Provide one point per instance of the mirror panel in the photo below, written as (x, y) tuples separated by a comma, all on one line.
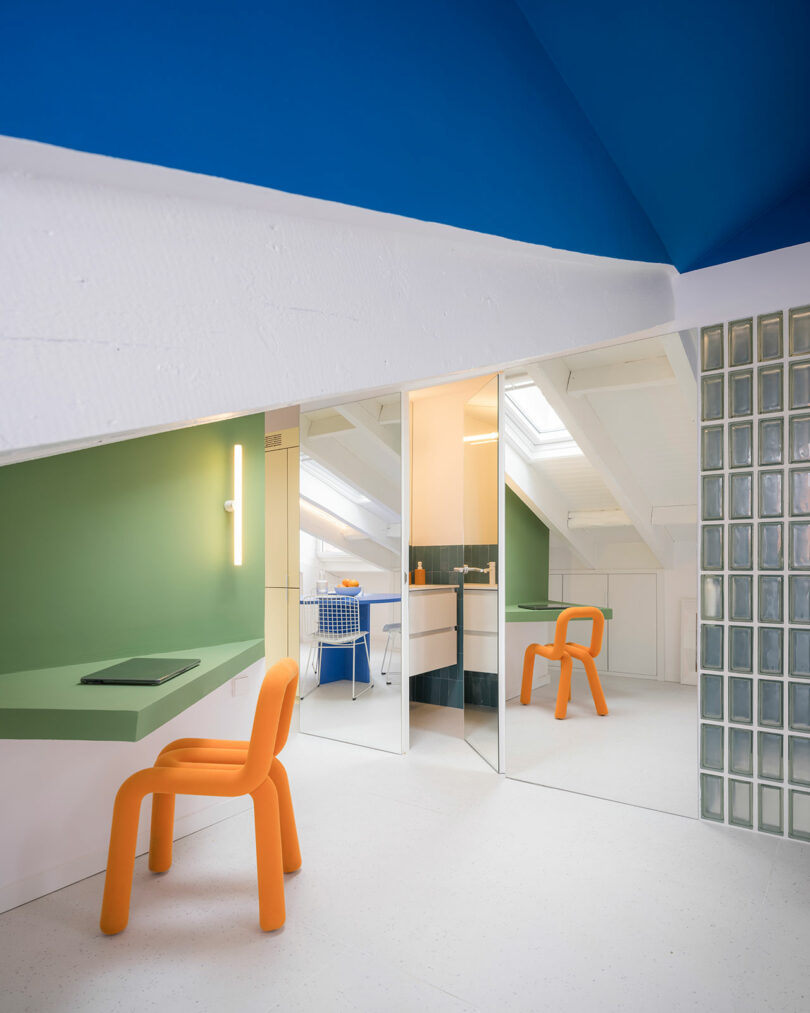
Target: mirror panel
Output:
[(453, 597), (478, 587), (351, 636), (611, 711)]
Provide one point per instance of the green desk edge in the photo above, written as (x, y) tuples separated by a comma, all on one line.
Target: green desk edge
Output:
[(516, 614), (50, 703)]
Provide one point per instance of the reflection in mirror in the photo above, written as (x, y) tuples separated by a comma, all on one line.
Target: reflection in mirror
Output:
[(453, 600), (600, 512), (351, 573), (479, 603)]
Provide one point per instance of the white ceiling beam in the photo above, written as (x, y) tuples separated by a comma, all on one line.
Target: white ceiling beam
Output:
[(586, 428), (598, 519), (545, 501), (666, 515), (367, 524), (385, 440), (652, 372), (322, 525), (390, 414), (328, 426), (352, 469), (681, 349)]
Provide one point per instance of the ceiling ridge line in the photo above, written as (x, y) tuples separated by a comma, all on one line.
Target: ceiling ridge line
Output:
[(595, 133), (700, 263)]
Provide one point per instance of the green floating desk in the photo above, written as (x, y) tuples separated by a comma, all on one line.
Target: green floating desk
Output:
[(516, 614), (50, 703)]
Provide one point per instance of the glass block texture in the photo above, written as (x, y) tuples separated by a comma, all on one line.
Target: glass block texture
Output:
[(740, 803), (754, 604), (770, 335)]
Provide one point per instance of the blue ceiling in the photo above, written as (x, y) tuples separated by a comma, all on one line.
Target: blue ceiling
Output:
[(629, 129)]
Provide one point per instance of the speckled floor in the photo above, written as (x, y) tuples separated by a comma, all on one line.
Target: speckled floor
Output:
[(430, 883), (643, 752)]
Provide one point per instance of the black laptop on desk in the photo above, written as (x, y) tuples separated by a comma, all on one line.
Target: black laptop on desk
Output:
[(140, 672)]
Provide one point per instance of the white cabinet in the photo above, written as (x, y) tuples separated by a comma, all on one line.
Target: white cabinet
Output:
[(433, 650), (481, 610), (433, 638), (281, 544), (481, 629), (633, 640), (630, 644), (481, 652), (432, 610)]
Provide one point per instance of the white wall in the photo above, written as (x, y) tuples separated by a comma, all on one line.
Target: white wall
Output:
[(56, 797), (744, 288), (134, 298), (673, 584)]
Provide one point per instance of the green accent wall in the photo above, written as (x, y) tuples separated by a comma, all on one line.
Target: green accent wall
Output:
[(126, 549), (526, 553)]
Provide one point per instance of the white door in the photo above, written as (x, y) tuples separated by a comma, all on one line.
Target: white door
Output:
[(633, 629)]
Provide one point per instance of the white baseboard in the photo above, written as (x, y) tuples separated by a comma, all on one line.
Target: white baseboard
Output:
[(46, 881)]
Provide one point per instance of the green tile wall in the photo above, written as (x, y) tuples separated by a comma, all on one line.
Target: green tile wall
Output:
[(126, 548), (446, 686)]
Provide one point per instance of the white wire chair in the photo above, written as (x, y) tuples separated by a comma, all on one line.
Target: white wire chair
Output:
[(333, 620)]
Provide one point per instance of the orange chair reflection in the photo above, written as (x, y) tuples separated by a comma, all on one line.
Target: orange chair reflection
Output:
[(214, 767), (564, 652)]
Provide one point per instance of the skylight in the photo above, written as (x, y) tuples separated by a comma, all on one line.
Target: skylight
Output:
[(536, 421)]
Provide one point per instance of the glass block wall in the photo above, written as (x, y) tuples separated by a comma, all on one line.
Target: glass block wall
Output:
[(754, 503)]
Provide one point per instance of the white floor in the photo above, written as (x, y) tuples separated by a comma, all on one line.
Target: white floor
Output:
[(431, 883), (643, 752), (374, 719)]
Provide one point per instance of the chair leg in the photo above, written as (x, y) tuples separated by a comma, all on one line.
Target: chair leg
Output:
[(269, 862), (385, 653), (596, 686), (290, 849), (120, 860), (318, 661), (564, 691), (355, 695), (528, 672), (162, 833)]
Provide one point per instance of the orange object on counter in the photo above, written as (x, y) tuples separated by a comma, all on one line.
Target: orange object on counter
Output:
[(565, 652), (419, 574), (214, 767)]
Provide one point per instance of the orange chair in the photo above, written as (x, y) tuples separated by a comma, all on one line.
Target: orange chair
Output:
[(214, 767), (564, 652)]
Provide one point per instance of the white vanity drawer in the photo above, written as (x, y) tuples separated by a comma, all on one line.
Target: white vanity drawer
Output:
[(431, 610), (481, 611), (480, 652), (433, 650)]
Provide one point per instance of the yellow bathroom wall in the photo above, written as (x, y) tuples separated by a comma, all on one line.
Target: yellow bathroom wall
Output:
[(453, 494)]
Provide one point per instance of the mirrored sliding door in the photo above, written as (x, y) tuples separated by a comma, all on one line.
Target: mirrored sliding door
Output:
[(478, 579), (351, 663)]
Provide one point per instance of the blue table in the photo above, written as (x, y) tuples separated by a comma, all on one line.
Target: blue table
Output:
[(336, 662)]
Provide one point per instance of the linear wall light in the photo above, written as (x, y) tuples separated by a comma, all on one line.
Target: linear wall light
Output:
[(234, 506)]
